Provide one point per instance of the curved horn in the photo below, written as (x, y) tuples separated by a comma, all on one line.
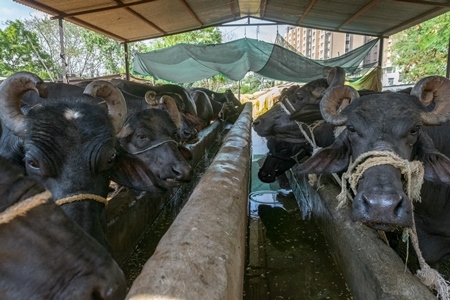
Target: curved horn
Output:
[(172, 109), (11, 91), (336, 76), (150, 98), (434, 89), (117, 107), (334, 100)]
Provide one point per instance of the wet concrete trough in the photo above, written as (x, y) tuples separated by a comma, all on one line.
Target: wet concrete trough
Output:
[(371, 268)]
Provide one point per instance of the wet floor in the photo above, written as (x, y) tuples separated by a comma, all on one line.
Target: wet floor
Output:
[(287, 257)]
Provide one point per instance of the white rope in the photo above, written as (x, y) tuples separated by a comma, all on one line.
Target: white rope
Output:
[(154, 146), (81, 197), (22, 207)]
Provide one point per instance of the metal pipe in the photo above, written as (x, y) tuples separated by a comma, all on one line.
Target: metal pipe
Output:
[(447, 73), (380, 52), (127, 61), (62, 54)]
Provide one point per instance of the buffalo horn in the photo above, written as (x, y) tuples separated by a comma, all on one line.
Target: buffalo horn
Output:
[(117, 107), (11, 91), (336, 76), (334, 100), (150, 98), (434, 89), (172, 109)]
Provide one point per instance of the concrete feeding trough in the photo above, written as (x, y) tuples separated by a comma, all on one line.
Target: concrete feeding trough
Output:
[(371, 268), (202, 255)]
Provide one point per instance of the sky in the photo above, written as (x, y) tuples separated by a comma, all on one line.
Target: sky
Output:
[(10, 10)]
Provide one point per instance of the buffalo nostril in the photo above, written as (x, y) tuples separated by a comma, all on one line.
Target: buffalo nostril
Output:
[(398, 209), (181, 173), (379, 204), (255, 123), (176, 171), (189, 133)]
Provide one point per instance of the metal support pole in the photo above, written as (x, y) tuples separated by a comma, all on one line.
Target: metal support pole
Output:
[(447, 73), (239, 90), (379, 85), (64, 76), (380, 52), (127, 61)]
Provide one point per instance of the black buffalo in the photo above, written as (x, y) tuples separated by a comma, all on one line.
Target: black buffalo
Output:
[(280, 119), (225, 103), (140, 89), (152, 135), (284, 153), (69, 144), (44, 254), (170, 103), (397, 123)]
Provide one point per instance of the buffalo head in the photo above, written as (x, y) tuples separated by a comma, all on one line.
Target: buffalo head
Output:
[(393, 122)]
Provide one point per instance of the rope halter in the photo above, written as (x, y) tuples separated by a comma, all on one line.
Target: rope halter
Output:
[(311, 140), (412, 171), (81, 197), (154, 146), (22, 207)]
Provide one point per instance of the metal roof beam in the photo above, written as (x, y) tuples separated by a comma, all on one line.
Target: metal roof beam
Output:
[(429, 3), (232, 9), (188, 8), (263, 8), (56, 12), (90, 11), (140, 17), (305, 13), (404, 24), (359, 13)]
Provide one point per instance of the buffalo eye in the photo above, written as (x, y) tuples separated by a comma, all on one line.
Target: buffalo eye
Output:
[(351, 128), (415, 130), (34, 164), (141, 136), (112, 159)]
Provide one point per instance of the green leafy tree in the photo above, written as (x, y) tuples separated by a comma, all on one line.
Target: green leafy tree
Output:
[(421, 50), (20, 51), (87, 54), (211, 35)]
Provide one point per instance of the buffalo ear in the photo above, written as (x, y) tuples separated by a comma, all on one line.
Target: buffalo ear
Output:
[(185, 152), (124, 132), (436, 165), (132, 172), (332, 159)]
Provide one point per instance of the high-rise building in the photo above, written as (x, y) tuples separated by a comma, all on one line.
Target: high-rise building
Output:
[(323, 44)]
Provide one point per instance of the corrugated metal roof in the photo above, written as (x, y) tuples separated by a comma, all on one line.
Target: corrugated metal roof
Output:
[(135, 20)]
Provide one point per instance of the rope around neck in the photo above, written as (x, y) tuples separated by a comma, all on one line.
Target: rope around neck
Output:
[(21, 208), (81, 197), (154, 146)]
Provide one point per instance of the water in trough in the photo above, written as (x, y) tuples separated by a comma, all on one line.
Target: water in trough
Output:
[(287, 257)]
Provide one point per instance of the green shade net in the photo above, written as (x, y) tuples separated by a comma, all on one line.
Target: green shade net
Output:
[(186, 63)]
